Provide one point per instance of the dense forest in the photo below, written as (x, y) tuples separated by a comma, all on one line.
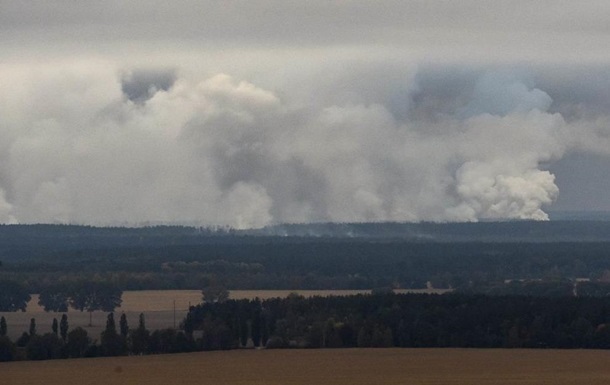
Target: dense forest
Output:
[(472, 256)]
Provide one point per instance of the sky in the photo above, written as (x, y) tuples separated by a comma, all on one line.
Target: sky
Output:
[(250, 113)]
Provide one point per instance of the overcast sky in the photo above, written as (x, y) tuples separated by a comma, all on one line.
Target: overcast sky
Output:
[(247, 113)]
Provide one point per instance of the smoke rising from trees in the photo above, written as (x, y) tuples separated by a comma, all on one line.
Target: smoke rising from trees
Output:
[(261, 112), (90, 144)]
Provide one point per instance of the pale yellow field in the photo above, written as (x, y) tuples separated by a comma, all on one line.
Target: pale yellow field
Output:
[(157, 306), (330, 366)]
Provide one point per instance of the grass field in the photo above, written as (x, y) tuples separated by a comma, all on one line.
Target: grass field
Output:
[(157, 306), (330, 366)]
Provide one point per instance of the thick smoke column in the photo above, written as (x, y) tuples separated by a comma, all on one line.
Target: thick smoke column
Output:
[(88, 144)]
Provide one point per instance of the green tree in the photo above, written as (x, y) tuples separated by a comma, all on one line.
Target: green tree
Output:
[(23, 340), (77, 343), (111, 342), (382, 337), (364, 338), (55, 326), (54, 298), (45, 347), (214, 294), (140, 337), (13, 296), (63, 327), (92, 296), (32, 327), (3, 328), (330, 336), (124, 326)]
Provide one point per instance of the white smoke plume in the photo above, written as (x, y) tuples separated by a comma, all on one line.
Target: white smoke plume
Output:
[(98, 144)]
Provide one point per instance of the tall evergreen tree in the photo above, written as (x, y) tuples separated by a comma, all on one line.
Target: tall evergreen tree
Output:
[(63, 327), (55, 326), (111, 342), (141, 322), (33, 327), (110, 324), (124, 326), (140, 337)]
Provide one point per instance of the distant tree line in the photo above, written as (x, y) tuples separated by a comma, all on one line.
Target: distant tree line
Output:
[(80, 295), (253, 263)]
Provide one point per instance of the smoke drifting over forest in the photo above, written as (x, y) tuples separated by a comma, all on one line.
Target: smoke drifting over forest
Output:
[(315, 132)]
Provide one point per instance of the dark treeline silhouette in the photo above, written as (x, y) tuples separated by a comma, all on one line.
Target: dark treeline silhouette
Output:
[(62, 342), (378, 320), (410, 320)]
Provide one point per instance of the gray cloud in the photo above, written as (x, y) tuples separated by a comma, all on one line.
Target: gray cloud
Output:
[(441, 30)]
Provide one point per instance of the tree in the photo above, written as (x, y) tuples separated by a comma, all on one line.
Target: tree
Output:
[(54, 298), (32, 327), (13, 296), (92, 296), (214, 294), (23, 340), (78, 343), (55, 326), (124, 326), (140, 337), (63, 327), (110, 324), (3, 327), (46, 347), (111, 342)]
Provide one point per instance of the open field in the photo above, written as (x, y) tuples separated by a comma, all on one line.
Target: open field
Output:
[(157, 306), (330, 366)]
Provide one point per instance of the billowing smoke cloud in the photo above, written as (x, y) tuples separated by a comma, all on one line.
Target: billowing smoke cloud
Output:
[(92, 143), (140, 85)]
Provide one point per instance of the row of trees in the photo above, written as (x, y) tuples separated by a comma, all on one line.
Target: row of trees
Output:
[(80, 295), (114, 341), (380, 320), (59, 343)]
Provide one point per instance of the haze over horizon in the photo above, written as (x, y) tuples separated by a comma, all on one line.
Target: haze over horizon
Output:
[(249, 113)]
